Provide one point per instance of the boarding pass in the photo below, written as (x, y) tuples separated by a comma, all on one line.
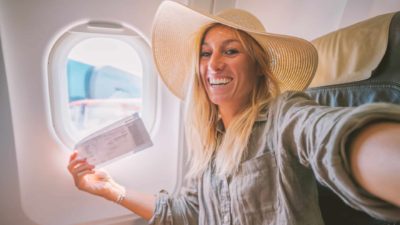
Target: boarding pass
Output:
[(123, 137)]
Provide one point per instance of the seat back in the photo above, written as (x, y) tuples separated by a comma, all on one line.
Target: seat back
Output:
[(382, 86)]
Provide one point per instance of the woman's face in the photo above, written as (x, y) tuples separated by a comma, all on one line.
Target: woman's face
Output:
[(228, 73)]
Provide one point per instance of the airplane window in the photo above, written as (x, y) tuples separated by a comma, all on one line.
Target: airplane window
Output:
[(104, 82), (98, 73)]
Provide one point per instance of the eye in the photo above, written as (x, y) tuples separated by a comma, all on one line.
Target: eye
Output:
[(205, 54), (231, 52)]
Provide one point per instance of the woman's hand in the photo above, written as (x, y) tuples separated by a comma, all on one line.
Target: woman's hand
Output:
[(93, 181)]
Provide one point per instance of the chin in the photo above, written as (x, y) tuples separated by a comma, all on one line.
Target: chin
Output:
[(218, 100)]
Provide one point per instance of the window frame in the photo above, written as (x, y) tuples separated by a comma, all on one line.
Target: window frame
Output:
[(58, 82)]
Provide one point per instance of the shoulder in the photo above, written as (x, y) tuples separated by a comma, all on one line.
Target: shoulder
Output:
[(291, 95), (291, 100)]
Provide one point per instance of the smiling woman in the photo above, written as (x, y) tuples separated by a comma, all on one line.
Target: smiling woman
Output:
[(229, 54)]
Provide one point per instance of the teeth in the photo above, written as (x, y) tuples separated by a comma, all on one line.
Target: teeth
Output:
[(219, 81)]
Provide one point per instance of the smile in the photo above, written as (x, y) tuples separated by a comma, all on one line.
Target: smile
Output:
[(219, 81)]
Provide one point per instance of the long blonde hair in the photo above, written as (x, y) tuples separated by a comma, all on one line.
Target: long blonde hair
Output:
[(205, 143)]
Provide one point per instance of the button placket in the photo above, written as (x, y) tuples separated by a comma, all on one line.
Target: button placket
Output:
[(225, 202)]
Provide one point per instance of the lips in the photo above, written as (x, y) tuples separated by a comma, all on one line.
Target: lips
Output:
[(219, 81)]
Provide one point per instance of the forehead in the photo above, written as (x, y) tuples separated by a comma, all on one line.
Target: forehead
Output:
[(220, 32)]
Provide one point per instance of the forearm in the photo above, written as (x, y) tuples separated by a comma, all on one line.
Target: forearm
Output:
[(375, 160), (141, 204)]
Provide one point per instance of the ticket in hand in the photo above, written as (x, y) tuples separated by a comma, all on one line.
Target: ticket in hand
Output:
[(123, 137)]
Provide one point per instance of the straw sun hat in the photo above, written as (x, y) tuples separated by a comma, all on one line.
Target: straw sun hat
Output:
[(293, 60)]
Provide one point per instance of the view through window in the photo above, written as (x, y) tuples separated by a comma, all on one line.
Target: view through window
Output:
[(104, 82)]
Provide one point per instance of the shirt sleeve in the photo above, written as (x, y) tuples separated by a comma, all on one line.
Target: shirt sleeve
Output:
[(317, 136), (182, 209)]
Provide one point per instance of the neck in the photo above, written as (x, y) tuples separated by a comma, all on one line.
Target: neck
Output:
[(228, 113)]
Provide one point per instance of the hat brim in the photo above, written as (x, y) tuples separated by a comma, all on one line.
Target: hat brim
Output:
[(293, 60)]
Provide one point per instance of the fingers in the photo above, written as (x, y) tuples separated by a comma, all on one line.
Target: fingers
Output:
[(73, 155), (79, 173), (75, 163), (79, 168), (72, 162), (82, 168)]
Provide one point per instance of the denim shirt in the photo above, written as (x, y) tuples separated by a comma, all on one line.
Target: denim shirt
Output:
[(291, 148)]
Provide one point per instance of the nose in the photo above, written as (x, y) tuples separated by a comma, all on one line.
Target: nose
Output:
[(216, 63)]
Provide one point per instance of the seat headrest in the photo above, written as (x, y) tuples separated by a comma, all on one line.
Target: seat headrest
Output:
[(351, 53)]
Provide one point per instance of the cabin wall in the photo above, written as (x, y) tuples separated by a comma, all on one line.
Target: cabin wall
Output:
[(310, 19), (10, 208)]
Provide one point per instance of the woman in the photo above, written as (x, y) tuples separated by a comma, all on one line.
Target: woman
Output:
[(255, 153)]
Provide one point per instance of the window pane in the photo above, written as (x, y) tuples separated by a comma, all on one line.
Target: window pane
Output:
[(104, 82)]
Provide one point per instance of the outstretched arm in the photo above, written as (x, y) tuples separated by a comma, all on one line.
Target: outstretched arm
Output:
[(375, 160)]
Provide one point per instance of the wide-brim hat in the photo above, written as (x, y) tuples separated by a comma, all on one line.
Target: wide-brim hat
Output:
[(293, 60)]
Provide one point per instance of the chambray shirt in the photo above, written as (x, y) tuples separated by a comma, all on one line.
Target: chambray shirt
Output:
[(291, 147)]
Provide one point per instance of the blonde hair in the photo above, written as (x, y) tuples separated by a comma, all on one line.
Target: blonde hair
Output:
[(207, 145)]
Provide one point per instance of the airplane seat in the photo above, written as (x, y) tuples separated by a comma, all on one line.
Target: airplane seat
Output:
[(381, 67)]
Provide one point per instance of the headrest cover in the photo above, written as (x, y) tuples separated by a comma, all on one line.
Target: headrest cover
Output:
[(351, 53)]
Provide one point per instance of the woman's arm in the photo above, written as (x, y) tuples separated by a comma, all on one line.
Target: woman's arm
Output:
[(140, 203), (375, 160), (101, 184), (319, 137)]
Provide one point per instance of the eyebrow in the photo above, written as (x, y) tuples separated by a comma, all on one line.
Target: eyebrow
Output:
[(228, 41)]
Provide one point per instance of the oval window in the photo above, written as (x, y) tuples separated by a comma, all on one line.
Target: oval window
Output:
[(98, 75)]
